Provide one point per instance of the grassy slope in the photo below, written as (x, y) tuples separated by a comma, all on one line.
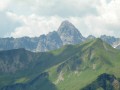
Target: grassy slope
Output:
[(78, 65), (106, 58)]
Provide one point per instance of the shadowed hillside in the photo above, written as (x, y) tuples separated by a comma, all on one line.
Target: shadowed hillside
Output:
[(71, 67)]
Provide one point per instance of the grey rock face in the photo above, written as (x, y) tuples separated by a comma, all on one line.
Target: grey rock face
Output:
[(69, 34), (49, 42), (15, 43), (115, 42), (109, 39)]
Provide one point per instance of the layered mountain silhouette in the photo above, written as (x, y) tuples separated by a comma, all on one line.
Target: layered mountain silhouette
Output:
[(72, 67), (61, 60), (115, 42), (66, 34)]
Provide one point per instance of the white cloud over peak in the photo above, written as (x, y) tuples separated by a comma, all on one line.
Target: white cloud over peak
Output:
[(38, 17)]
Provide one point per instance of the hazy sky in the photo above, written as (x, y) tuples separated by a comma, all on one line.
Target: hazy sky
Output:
[(35, 17)]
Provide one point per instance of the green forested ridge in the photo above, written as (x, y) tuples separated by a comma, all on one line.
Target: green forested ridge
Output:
[(72, 67)]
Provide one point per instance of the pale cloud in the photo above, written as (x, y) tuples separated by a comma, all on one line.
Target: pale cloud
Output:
[(108, 20), (63, 8), (34, 25), (7, 25), (4, 4), (38, 17), (110, 11)]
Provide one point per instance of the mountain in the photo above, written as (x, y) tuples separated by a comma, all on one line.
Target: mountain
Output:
[(15, 60), (115, 42), (104, 82), (41, 82), (69, 33), (72, 67), (15, 43), (66, 34), (24, 70), (51, 41), (109, 39)]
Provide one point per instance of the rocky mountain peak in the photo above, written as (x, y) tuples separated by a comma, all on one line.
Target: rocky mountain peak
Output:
[(66, 23), (66, 27), (69, 34), (48, 42)]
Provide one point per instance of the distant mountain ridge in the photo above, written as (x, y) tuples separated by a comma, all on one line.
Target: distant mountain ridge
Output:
[(48, 42), (66, 34), (114, 42)]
